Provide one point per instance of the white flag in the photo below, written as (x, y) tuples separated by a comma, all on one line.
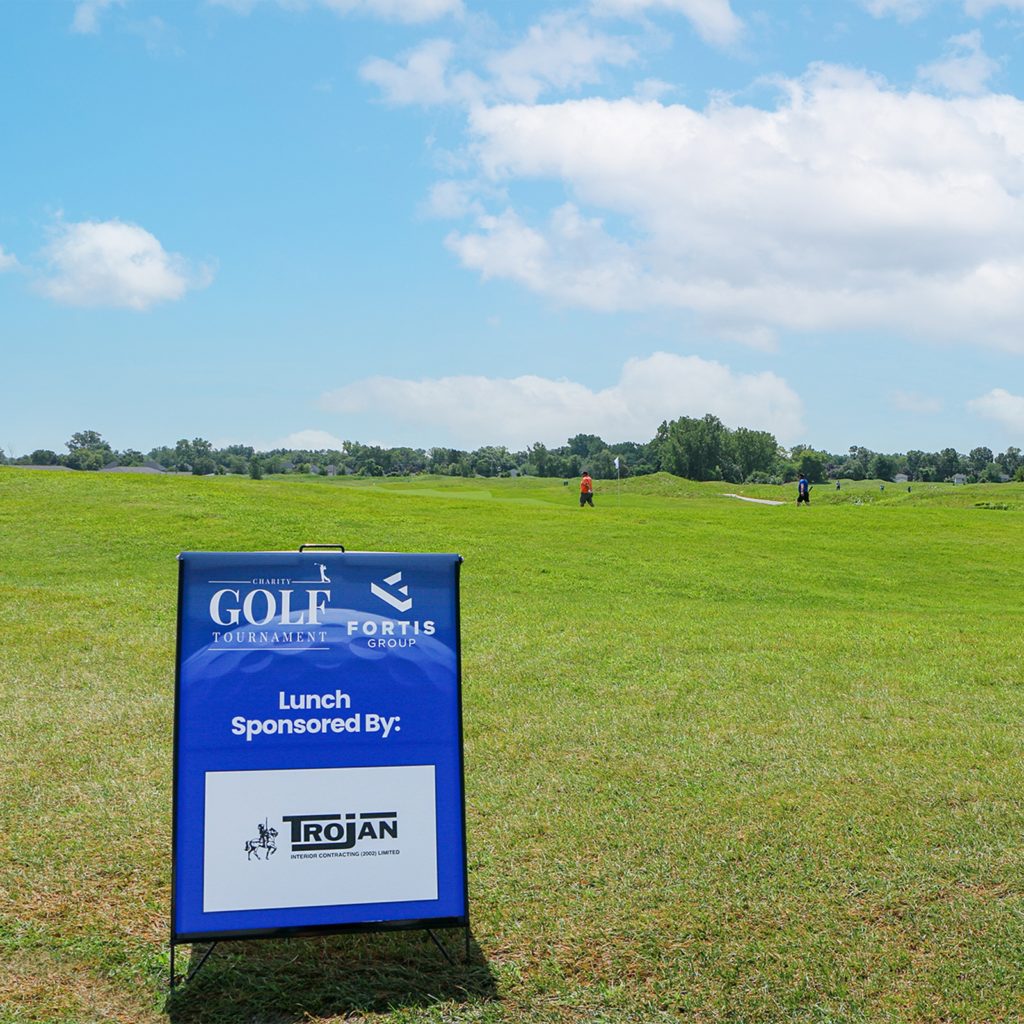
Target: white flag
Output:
[(616, 463)]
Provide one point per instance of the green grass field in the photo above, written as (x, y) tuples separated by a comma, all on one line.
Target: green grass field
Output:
[(724, 761)]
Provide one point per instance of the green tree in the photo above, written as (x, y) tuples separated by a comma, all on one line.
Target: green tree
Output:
[(87, 450), (696, 449), (492, 460), (43, 457), (585, 445), (602, 465), (255, 469), (915, 461), (163, 456), (882, 467), (88, 440), (810, 464), (201, 448), (540, 457), (1010, 460), (130, 457), (183, 455), (949, 462), (754, 450), (90, 459), (979, 458)]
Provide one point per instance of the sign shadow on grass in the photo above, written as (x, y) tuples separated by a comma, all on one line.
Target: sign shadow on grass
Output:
[(292, 980)]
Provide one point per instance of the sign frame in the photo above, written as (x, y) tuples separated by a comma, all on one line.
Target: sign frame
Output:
[(213, 936)]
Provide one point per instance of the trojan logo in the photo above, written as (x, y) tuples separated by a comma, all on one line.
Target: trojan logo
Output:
[(403, 603), (311, 832), (262, 843)]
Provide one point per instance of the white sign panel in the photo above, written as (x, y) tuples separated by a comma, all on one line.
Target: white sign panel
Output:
[(319, 837)]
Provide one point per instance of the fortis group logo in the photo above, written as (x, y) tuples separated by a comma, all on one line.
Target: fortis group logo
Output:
[(403, 603), (381, 630)]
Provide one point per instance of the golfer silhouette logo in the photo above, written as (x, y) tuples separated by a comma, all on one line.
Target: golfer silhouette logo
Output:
[(324, 578)]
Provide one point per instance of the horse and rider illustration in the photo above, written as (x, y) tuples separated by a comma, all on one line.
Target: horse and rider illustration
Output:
[(264, 841)]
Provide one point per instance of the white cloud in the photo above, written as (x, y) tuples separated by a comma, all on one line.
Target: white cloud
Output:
[(572, 260), (560, 51), (86, 20), (964, 70), (113, 263), (1002, 407), (8, 261), (160, 39), (849, 205), (408, 11), (902, 10), (453, 200), (979, 8), (411, 11), (911, 401), (714, 20), (653, 89), (472, 411), (308, 440), (422, 78)]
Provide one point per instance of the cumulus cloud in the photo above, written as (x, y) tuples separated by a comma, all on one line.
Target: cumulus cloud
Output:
[(979, 8), (653, 89), (421, 77), (902, 10), (309, 440), (8, 261), (911, 401), (411, 11), (714, 20), (560, 52), (911, 10), (571, 258), (1002, 407), (113, 263), (964, 70), (86, 20), (517, 411), (159, 38), (408, 11), (453, 200), (848, 205)]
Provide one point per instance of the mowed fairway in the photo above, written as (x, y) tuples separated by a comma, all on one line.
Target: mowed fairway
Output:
[(724, 761)]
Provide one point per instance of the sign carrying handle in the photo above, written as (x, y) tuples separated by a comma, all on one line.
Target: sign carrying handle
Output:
[(304, 547)]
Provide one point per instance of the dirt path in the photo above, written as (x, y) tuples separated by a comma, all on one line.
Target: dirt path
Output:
[(757, 501)]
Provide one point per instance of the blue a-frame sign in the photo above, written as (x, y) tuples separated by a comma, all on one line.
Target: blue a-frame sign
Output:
[(318, 773)]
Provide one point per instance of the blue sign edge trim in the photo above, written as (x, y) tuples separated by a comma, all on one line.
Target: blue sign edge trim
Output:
[(299, 931)]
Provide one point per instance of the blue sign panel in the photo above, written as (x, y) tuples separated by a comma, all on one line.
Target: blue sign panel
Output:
[(318, 744)]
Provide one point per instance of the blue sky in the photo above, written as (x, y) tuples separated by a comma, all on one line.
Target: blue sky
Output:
[(457, 222)]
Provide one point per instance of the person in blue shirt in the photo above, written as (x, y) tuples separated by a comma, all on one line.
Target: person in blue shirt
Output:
[(803, 492)]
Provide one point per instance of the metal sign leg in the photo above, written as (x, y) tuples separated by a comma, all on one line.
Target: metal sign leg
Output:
[(194, 971)]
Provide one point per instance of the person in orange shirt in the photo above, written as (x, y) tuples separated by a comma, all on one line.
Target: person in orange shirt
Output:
[(586, 490)]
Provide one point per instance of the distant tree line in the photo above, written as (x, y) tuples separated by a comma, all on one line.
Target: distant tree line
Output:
[(697, 448)]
